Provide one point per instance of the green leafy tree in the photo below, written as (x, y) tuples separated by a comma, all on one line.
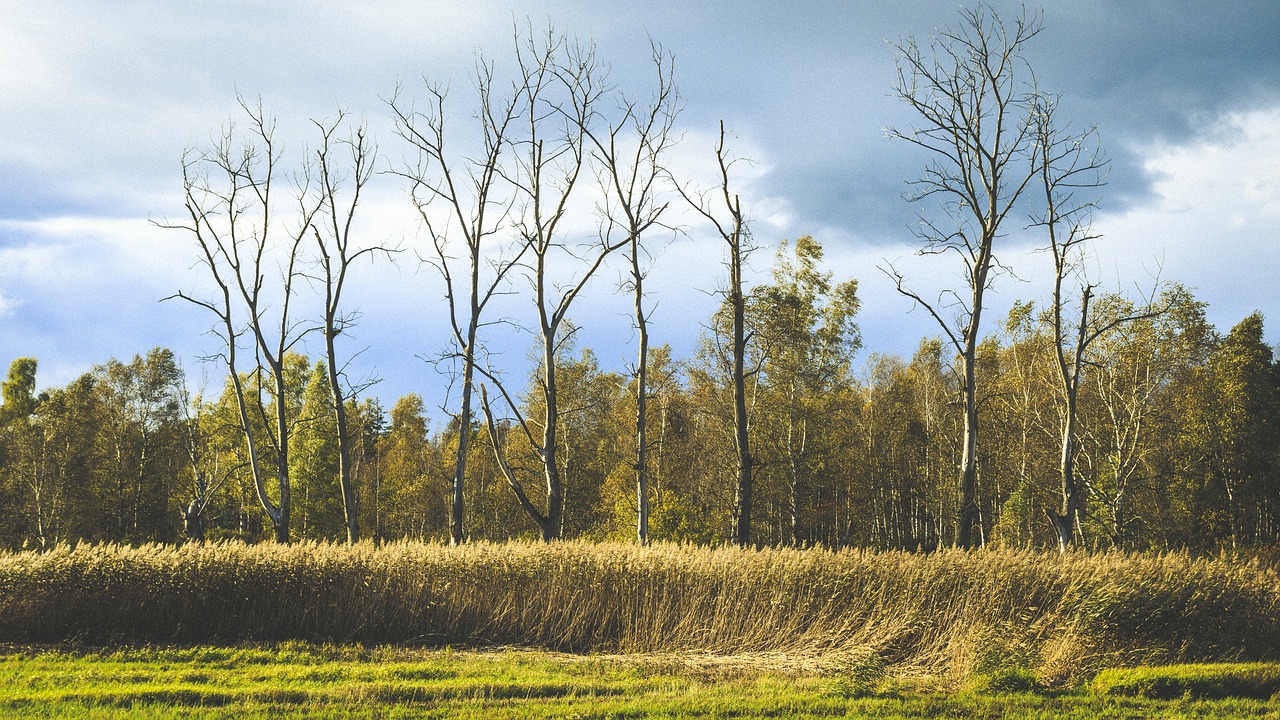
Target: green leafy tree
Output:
[(141, 440), (1023, 415), (1136, 369), (59, 464), (806, 336), (18, 447), (1239, 420), (210, 450), (369, 430), (585, 450), (252, 397), (19, 390), (909, 436), (414, 489), (318, 506)]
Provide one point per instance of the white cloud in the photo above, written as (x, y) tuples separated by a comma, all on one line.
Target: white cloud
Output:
[(8, 306), (72, 250), (101, 100), (1211, 222)]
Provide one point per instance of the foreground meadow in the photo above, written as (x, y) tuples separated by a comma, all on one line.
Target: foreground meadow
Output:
[(300, 680), (948, 614), (610, 630), (303, 680)]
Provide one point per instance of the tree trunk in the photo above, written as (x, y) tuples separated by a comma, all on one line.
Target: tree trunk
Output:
[(742, 496), (1064, 520), (642, 399), (457, 531), (555, 491), (276, 513), (968, 515), (642, 441), (281, 518), (193, 521), (794, 460), (1118, 521), (346, 482)]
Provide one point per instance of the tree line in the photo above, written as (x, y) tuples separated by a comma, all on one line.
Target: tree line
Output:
[(1178, 447), (1091, 419)]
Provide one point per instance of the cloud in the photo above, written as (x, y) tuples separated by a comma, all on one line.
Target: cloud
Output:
[(1211, 220), (101, 101), (86, 287), (8, 306)]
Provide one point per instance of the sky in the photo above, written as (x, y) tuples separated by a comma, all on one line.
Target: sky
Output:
[(100, 101)]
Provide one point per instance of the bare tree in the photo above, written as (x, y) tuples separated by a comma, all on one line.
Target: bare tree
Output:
[(732, 228), (630, 152), (477, 202), (1068, 163), (337, 254), (232, 216), (558, 94), (974, 98)]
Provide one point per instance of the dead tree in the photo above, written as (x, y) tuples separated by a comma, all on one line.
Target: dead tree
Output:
[(336, 254), (234, 220), (630, 153), (1068, 163), (477, 202), (561, 84), (973, 97), (732, 228)]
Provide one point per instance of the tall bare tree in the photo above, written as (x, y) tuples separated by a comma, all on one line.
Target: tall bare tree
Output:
[(974, 96), (1067, 164), (477, 202), (234, 219), (630, 151), (341, 182), (560, 87), (731, 226)]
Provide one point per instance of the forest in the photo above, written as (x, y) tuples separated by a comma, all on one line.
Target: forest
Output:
[(1177, 450), (1083, 418)]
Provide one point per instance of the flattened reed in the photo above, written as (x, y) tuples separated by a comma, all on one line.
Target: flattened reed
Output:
[(948, 611)]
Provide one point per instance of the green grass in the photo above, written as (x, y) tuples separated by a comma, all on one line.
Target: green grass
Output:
[(325, 681), (1248, 680)]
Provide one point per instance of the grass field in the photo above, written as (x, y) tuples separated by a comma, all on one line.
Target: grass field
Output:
[(948, 613), (318, 681), (619, 631)]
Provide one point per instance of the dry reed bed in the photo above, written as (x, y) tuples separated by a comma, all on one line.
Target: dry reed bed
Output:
[(948, 611)]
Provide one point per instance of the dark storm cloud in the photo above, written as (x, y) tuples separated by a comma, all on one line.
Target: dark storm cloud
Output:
[(1158, 71), (101, 99), (1156, 68), (813, 81), (809, 81)]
